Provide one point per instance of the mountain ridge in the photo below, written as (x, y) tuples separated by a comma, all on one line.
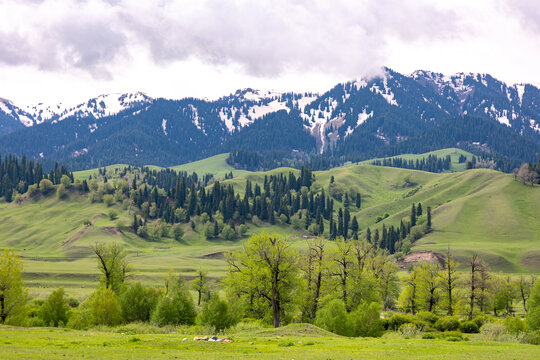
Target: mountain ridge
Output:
[(382, 111)]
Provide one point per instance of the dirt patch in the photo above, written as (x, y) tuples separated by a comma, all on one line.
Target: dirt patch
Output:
[(112, 230), (79, 233), (419, 257), (531, 260), (216, 255), (430, 243)]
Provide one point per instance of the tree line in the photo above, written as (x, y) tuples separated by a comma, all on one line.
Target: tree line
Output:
[(341, 286)]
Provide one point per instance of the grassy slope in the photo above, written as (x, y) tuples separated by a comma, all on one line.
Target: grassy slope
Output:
[(474, 211), (453, 152), (291, 342), (213, 165)]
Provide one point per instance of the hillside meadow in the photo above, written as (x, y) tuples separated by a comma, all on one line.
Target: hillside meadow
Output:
[(476, 211), (297, 341)]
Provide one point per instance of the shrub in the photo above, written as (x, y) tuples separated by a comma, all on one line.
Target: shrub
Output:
[(333, 317), (45, 185), (447, 323), (469, 327), (533, 315), (453, 334), (493, 331), (481, 320), (178, 231), (73, 302), (428, 336), (427, 316), (137, 303), (56, 309), (514, 325), (228, 233), (242, 229), (175, 309), (65, 180), (395, 322), (366, 321), (108, 199), (532, 337), (80, 319), (113, 215), (408, 331), (219, 314), (104, 308)]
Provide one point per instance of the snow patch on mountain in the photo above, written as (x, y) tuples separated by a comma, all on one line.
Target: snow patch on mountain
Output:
[(106, 105), (363, 116), (164, 126), (520, 90)]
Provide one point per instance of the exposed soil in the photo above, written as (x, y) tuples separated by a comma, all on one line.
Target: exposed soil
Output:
[(112, 230), (216, 255), (420, 256)]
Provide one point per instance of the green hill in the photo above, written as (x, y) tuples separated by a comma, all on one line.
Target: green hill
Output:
[(480, 211)]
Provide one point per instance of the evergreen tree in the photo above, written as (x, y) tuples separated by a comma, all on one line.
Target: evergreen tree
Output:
[(429, 217), (419, 210), (358, 201), (413, 215)]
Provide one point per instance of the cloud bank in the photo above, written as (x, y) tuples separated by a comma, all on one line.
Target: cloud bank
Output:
[(266, 39)]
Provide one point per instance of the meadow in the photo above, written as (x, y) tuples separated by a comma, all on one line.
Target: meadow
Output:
[(298, 341), (476, 211)]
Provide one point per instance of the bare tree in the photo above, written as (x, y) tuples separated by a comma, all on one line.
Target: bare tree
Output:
[(112, 263), (475, 264), (450, 281)]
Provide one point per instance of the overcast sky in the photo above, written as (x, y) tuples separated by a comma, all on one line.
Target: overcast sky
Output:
[(70, 50)]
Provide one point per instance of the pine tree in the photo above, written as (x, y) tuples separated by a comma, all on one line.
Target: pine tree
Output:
[(358, 201), (429, 217), (419, 210), (413, 215), (354, 227)]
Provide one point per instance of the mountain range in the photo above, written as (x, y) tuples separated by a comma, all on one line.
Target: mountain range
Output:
[(380, 116)]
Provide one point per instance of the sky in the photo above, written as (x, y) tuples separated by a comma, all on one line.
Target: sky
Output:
[(67, 51)]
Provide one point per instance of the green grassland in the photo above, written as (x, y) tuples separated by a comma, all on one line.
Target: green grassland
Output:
[(453, 152), (297, 341), (216, 165), (480, 211)]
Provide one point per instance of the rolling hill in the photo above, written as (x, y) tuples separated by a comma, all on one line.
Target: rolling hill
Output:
[(482, 211)]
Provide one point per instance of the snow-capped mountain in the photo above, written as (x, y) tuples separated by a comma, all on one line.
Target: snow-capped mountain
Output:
[(98, 107), (350, 118)]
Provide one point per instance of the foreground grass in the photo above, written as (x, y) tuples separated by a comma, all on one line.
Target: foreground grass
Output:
[(45, 343)]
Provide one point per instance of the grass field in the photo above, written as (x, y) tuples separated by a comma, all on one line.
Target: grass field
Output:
[(453, 152), (216, 165), (480, 211), (292, 342)]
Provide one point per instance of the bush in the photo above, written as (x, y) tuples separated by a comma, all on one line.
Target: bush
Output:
[(447, 323), (65, 180), (533, 315), (56, 309), (532, 337), (219, 314), (108, 200), (80, 319), (452, 334), (395, 322), (427, 316), (73, 302), (137, 303), (408, 331), (228, 233), (175, 309), (428, 336), (514, 325), (493, 331), (366, 321), (481, 320), (113, 215), (45, 185), (333, 317), (469, 327), (61, 191), (178, 231), (104, 308)]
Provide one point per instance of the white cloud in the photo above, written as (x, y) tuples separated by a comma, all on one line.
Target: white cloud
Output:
[(70, 49)]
